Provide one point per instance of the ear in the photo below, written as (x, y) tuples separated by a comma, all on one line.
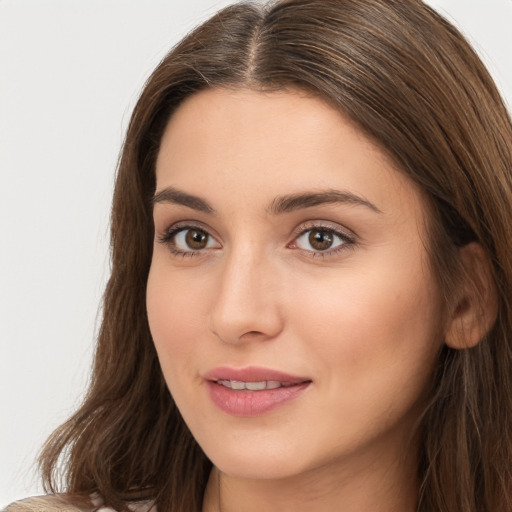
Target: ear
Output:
[(476, 305)]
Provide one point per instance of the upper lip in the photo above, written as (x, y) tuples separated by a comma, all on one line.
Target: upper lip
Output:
[(252, 374)]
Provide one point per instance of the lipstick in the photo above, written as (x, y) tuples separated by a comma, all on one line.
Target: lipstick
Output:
[(252, 391)]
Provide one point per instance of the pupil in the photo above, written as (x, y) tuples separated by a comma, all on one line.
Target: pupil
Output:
[(320, 240), (196, 239)]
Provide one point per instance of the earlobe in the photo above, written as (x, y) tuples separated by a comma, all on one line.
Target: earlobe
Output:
[(476, 305)]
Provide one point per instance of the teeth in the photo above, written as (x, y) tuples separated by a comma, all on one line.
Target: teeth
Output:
[(253, 386), (256, 386)]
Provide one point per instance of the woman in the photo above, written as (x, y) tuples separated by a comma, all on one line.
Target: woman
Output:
[(310, 252)]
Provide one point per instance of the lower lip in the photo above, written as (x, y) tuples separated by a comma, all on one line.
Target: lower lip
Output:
[(252, 403)]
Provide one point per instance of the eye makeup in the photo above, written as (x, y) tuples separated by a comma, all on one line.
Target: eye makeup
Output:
[(313, 239)]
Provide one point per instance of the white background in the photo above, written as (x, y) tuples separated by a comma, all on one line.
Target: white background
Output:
[(70, 72)]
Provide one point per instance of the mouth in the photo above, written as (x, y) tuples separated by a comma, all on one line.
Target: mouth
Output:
[(253, 391), (253, 375), (240, 385)]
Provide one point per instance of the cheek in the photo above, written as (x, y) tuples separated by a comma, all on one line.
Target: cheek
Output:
[(175, 321), (376, 331), (374, 351)]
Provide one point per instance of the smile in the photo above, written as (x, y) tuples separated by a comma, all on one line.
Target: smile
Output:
[(254, 386), (253, 391)]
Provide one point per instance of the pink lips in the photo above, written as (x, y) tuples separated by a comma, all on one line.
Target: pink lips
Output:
[(282, 388)]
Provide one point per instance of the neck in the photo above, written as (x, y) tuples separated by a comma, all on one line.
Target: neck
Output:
[(371, 484)]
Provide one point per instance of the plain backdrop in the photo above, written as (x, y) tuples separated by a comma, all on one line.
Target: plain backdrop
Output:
[(70, 73)]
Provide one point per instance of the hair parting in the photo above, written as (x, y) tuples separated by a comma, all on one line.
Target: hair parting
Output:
[(410, 81)]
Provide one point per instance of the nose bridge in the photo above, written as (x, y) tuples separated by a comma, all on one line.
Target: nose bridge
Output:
[(247, 300)]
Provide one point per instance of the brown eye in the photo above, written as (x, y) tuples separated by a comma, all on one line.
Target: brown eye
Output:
[(190, 240), (320, 240), (196, 239)]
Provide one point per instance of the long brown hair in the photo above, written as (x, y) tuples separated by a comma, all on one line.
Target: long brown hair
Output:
[(413, 84)]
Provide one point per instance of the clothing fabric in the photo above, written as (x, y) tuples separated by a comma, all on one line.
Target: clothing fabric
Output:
[(63, 503)]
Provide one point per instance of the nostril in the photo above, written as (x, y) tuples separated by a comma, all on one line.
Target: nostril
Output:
[(247, 336), (252, 334)]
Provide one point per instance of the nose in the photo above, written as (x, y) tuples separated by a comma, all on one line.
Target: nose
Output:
[(247, 305)]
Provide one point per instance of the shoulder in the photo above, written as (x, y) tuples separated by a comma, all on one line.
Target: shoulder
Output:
[(64, 503), (49, 503)]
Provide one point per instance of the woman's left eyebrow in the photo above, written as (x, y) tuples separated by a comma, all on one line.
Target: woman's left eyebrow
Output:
[(292, 202)]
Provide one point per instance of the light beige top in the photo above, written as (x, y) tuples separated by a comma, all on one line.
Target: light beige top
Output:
[(59, 503)]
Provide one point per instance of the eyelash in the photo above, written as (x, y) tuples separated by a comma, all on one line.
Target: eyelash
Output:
[(168, 238), (347, 241)]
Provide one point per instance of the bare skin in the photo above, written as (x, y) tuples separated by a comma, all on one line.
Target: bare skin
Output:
[(366, 489), (257, 262)]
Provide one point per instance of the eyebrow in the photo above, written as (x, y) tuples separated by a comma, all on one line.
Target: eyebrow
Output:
[(279, 205), (175, 196), (294, 202)]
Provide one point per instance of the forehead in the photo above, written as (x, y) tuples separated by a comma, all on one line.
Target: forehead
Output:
[(247, 145)]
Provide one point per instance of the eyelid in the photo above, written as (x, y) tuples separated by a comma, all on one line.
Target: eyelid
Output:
[(171, 231), (327, 225), (186, 224), (348, 236)]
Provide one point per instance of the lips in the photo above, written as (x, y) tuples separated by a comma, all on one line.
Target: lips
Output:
[(253, 386), (252, 391)]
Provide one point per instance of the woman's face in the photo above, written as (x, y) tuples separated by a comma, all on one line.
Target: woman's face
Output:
[(290, 296)]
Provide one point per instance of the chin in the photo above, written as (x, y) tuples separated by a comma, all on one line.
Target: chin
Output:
[(257, 462), (258, 470)]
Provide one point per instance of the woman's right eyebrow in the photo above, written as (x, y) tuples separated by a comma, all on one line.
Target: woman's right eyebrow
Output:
[(175, 196)]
